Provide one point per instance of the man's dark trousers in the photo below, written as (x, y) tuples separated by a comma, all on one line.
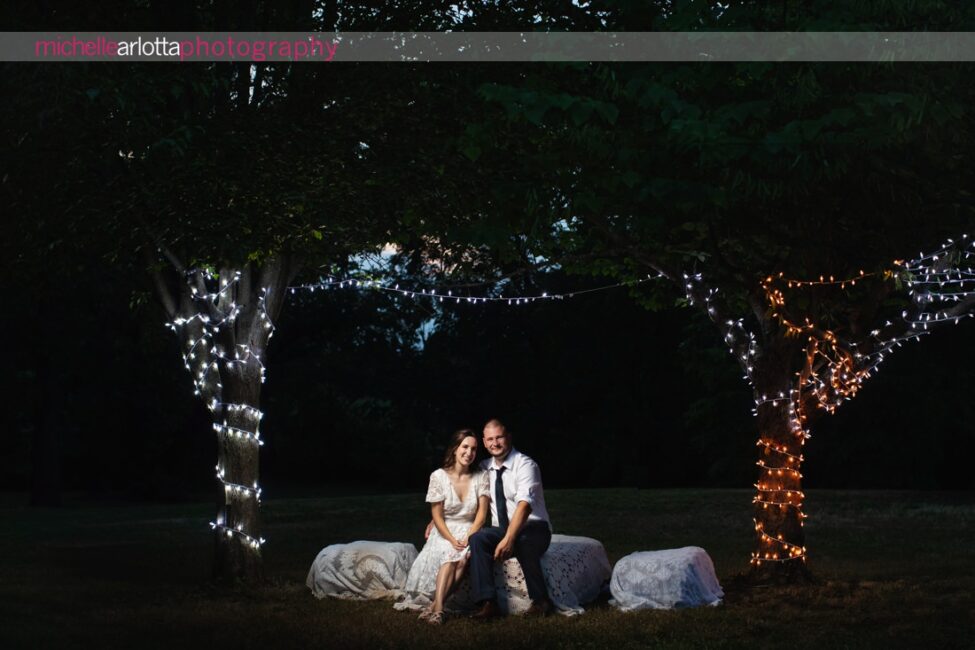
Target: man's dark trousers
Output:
[(530, 545)]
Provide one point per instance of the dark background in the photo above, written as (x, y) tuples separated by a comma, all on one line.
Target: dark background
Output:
[(600, 391)]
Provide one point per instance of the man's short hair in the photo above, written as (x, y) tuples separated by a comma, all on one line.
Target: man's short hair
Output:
[(496, 424)]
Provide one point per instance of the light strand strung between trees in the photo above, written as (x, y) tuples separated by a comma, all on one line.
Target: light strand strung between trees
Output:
[(836, 379), (448, 295)]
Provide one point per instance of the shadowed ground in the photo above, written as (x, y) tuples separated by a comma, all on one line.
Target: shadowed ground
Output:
[(895, 570)]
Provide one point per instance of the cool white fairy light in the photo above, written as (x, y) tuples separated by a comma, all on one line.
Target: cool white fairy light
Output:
[(448, 295), (204, 357), (841, 373)]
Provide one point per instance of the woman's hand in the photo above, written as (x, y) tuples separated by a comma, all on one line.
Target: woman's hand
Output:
[(460, 544)]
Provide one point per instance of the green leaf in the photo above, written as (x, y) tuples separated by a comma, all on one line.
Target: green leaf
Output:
[(471, 151), (608, 112)]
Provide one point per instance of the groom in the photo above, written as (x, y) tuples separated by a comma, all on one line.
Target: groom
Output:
[(519, 525)]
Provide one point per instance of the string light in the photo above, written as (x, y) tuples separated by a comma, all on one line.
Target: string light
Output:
[(833, 373), (235, 432), (835, 369), (743, 345), (448, 295), (253, 542), (215, 314), (794, 551), (823, 281)]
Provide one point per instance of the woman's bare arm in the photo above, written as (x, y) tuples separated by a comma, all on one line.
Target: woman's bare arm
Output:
[(436, 510), (483, 508)]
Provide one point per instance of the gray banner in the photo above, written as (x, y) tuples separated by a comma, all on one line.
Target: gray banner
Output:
[(488, 46)]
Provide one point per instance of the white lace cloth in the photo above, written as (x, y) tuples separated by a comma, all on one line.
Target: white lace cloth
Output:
[(576, 570), (680, 577), (361, 570)]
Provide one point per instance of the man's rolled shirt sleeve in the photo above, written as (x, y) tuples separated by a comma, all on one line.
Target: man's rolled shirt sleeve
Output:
[(528, 483)]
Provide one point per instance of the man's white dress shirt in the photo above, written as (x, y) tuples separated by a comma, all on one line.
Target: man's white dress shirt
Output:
[(522, 481)]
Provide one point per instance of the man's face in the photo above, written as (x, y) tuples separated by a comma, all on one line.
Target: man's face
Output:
[(496, 441)]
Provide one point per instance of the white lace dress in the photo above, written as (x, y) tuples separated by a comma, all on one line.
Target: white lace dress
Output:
[(421, 583)]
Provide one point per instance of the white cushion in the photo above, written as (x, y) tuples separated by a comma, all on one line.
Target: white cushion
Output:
[(576, 570), (361, 570), (680, 577)]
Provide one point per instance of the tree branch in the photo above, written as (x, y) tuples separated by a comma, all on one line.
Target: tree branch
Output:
[(166, 295)]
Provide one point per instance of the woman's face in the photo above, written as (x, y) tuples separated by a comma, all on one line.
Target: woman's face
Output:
[(466, 451)]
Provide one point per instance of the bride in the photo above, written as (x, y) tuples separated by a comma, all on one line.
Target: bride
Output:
[(459, 500)]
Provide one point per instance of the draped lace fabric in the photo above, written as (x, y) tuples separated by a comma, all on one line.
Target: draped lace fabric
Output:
[(576, 571), (361, 570), (458, 516), (680, 577)]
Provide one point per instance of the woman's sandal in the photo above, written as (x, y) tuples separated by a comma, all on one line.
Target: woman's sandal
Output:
[(435, 618)]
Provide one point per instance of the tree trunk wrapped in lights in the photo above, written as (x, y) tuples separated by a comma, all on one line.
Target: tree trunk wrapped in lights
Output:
[(778, 515), (225, 322), (798, 371), (709, 184)]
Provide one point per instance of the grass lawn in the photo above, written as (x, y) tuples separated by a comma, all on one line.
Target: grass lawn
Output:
[(895, 569)]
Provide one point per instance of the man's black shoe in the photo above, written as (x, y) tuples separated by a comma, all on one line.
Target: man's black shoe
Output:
[(488, 610), (540, 608)]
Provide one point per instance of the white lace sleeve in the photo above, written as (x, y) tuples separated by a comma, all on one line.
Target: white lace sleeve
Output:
[(435, 491), (484, 485)]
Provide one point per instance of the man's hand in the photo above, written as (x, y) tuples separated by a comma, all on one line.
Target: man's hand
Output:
[(426, 533), (504, 549)]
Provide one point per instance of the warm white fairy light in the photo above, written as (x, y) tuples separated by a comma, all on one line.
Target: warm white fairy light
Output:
[(781, 504), (794, 551), (772, 469), (779, 448), (836, 369), (743, 345), (845, 367), (204, 357)]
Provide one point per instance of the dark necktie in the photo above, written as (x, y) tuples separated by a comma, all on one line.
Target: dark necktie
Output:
[(500, 503)]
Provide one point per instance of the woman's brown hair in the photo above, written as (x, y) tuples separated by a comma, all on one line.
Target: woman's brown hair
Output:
[(455, 440)]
